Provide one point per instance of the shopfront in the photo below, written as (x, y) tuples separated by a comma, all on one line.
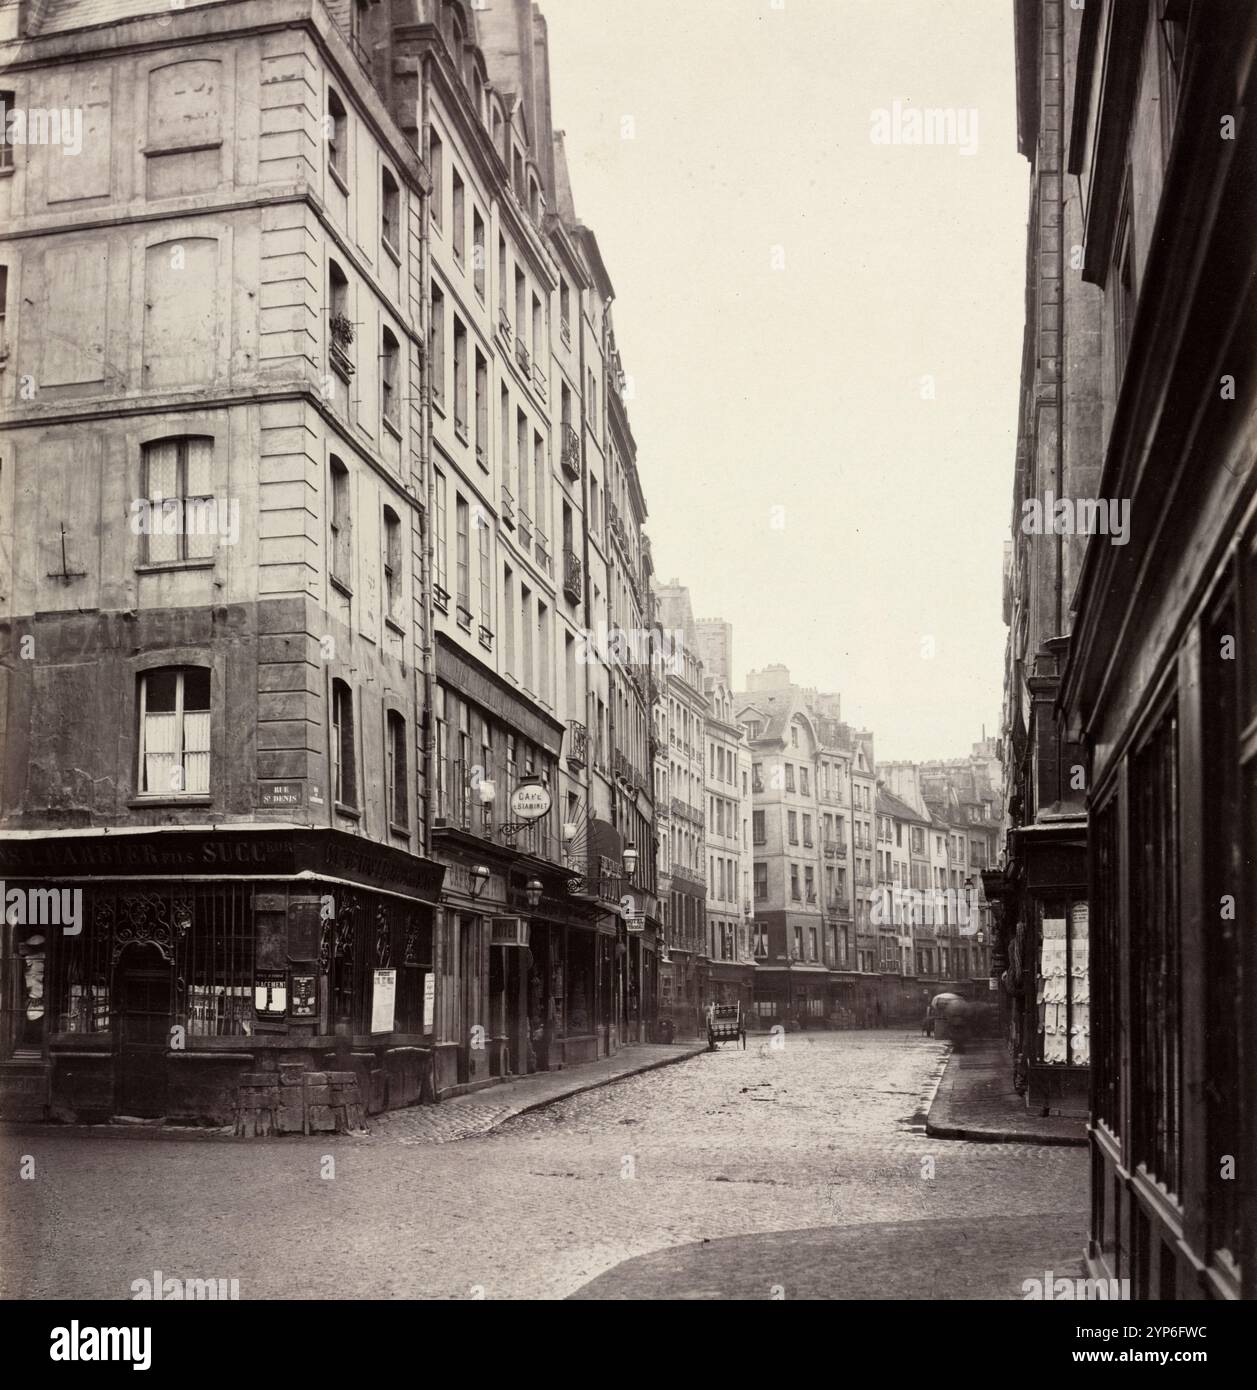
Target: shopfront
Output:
[(182, 970)]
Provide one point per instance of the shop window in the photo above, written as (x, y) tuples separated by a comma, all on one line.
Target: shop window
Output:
[(344, 762), (180, 515), (175, 732), (8, 101)]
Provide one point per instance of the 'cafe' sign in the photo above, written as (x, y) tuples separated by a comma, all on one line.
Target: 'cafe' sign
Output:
[(530, 801)]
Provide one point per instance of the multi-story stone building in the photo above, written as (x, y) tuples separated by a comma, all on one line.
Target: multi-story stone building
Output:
[(1145, 700), (211, 505), (684, 976), (372, 692), (729, 909)]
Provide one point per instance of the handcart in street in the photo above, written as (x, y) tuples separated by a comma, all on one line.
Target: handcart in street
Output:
[(725, 1024)]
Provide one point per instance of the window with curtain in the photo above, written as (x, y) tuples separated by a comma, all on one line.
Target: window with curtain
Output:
[(175, 732), (181, 509)]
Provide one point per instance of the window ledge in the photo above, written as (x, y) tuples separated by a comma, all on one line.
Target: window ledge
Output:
[(393, 251), (341, 585), (338, 179), (393, 427), (194, 799), (173, 148), (401, 831), (394, 626), (160, 566), (351, 811)]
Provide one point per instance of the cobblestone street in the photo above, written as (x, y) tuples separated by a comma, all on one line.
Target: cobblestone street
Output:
[(825, 1133)]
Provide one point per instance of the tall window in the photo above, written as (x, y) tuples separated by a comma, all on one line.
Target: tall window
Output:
[(175, 732), (1123, 292), (181, 508), (508, 620), (390, 355), (390, 211), (340, 335), (7, 102), (342, 523), (486, 572), (392, 563), (337, 137), (482, 408), (458, 217), (398, 806), (478, 254), (436, 346), (460, 376), (436, 167), (462, 572), (344, 763), (440, 541)]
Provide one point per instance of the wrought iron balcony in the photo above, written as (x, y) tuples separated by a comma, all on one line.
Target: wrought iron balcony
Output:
[(539, 379), (522, 357), (577, 744), (569, 457), (504, 324), (508, 507), (573, 576)]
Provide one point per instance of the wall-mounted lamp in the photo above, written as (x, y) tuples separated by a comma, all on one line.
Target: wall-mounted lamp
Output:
[(479, 877), (533, 892), (630, 860)]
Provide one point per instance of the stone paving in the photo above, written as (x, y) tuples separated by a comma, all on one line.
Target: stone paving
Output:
[(826, 1133)]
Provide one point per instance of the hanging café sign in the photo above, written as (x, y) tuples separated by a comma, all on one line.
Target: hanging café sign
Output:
[(530, 801)]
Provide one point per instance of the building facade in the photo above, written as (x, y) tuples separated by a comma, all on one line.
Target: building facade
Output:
[(1156, 695), (335, 344)]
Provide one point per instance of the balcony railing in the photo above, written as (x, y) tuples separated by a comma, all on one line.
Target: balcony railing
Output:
[(539, 379), (573, 576), (522, 357), (570, 454), (504, 324), (508, 507), (525, 529), (577, 744), (835, 849)]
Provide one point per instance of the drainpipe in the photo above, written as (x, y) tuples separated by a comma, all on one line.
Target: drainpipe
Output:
[(429, 559)]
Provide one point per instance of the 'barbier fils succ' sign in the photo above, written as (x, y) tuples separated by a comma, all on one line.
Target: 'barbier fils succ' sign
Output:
[(253, 854)]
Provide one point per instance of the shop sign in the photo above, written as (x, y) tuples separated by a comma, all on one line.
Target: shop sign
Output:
[(383, 999), (509, 931), (429, 1001), (304, 1000), (530, 801)]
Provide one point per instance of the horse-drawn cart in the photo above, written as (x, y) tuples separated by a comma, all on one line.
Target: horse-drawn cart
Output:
[(725, 1024)]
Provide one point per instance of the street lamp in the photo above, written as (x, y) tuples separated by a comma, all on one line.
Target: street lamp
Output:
[(630, 860), (533, 891), (479, 877)]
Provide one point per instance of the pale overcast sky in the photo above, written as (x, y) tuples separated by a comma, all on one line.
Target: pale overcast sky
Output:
[(757, 387)]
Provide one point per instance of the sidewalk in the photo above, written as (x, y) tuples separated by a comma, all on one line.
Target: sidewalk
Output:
[(975, 1100), (460, 1117), (476, 1114)]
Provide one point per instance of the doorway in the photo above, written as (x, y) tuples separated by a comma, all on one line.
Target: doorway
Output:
[(143, 983)]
